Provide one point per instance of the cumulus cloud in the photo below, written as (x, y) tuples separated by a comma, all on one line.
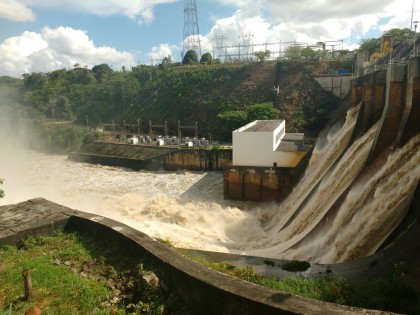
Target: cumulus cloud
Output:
[(16, 11), (310, 21), (138, 10), (157, 53), (52, 49)]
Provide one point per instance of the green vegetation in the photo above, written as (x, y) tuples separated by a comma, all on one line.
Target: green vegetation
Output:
[(371, 45), (295, 265), (206, 59), (190, 58), (62, 137), (234, 119), (1, 191), (75, 274), (395, 293), (165, 92), (217, 96), (262, 55)]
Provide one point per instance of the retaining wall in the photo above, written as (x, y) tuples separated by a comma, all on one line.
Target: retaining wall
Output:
[(205, 290), (262, 183), (338, 85), (152, 158)]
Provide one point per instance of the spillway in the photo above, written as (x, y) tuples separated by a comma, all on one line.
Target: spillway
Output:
[(357, 189)]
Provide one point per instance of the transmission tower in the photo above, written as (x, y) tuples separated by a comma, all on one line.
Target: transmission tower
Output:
[(191, 32), (247, 53), (219, 49)]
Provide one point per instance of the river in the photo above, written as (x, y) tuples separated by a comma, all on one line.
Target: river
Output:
[(187, 208)]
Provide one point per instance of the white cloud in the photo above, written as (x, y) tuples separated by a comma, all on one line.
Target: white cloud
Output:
[(16, 11), (56, 48), (162, 51), (310, 21)]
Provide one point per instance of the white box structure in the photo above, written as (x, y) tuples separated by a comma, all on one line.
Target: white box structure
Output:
[(265, 143)]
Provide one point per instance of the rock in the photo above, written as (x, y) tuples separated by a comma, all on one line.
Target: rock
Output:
[(84, 267), (115, 300), (151, 279), (130, 307), (116, 292), (110, 283)]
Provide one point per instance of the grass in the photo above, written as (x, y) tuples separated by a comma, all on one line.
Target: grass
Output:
[(395, 293), (74, 274)]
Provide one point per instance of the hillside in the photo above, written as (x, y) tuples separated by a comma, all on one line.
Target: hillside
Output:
[(187, 94)]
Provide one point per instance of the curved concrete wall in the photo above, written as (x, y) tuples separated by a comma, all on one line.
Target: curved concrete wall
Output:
[(205, 290)]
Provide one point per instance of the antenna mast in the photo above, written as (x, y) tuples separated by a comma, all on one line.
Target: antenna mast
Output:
[(191, 32)]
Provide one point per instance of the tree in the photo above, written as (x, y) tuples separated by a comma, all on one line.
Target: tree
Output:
[(293, 52), (262, 55), (370, 45), (1, 191), (231, 120), (102, 72), (206, 59), (62, 108), (35, 81), (263, 111), (81, 76), (166, 63), (190, 58), (400, 34), (308, 53)]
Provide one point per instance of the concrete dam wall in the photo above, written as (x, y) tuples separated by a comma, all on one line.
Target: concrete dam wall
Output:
[(389, 97), (152, 158), (392, 98)]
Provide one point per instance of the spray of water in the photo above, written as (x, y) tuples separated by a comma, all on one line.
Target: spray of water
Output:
[(328, 148), (330, 188), (186, 208), (374, 208)]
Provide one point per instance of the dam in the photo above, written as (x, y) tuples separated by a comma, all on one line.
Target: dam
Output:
[(363, 166), (355, 209)]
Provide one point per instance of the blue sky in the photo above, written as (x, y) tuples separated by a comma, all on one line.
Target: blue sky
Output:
[(44, 35)]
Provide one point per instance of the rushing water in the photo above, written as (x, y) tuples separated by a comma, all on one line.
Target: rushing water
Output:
[(184, 207), (187, 208)]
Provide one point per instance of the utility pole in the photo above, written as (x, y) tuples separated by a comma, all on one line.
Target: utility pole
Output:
[(191, 32)]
